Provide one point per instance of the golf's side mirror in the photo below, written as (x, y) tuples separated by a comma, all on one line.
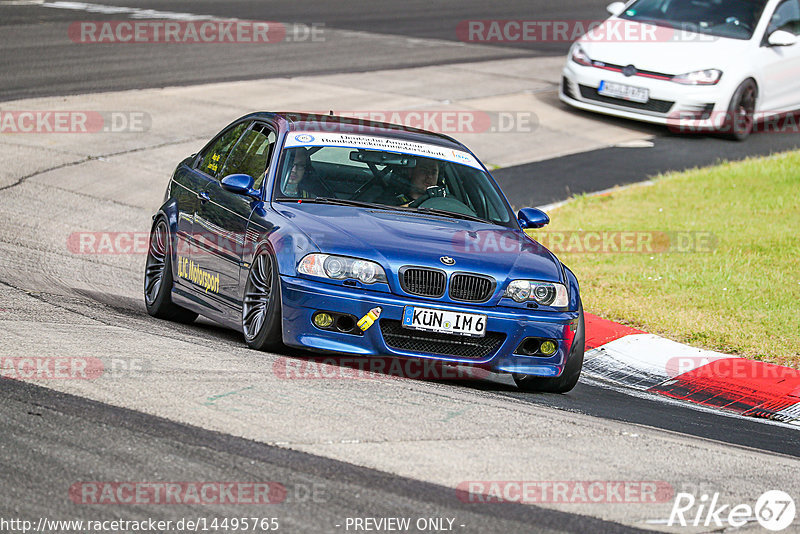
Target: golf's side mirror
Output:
[(782, 38), (616, 8)]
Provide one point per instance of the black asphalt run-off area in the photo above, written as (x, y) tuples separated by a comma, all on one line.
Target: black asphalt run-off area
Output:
[(553, 180)]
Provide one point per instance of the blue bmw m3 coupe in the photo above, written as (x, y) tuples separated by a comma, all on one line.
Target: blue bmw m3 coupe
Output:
[(339, 235)]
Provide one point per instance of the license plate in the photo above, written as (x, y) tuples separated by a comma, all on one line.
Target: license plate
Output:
[(443, 321), (624, 92)]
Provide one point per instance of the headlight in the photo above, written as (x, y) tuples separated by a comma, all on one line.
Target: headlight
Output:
[(700, 77), (544, 293), (342, 268), (579, 56)]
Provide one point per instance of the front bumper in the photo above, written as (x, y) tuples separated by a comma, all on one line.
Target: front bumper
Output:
[(680, 107), (302, 297)]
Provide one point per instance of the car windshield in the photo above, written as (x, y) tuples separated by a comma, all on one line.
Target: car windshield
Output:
[(392, 180), (736, 19)]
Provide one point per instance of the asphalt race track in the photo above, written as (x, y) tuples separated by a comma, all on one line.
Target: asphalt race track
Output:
[(40, 60), (192, 403), (320, 492)]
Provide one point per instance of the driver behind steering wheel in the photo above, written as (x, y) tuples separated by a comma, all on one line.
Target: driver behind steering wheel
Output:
[(424, 175), (415, 189)]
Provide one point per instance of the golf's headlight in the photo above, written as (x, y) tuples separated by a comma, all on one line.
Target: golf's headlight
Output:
[(544, 293), (579, 56), (342, 268), (699, 77)]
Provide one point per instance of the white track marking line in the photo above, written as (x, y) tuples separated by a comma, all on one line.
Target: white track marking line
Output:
[(132, 12), (139, 13), (149, 14)]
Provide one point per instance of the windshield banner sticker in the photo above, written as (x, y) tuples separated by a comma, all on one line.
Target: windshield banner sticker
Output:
[(403, 146)]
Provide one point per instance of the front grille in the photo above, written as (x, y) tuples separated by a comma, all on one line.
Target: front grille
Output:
[(654, 105), (470, 287), (638, 72), (422, 282), (474, 348)]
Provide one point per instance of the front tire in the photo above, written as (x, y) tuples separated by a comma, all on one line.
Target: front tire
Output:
[(261, 305), (740, 121), (572, 370), (158, 278)]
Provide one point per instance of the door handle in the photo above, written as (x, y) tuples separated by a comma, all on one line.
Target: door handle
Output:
[(203, 196)]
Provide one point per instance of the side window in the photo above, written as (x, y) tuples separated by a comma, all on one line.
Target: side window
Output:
[(786, 18), (251, 154), (215, 155)]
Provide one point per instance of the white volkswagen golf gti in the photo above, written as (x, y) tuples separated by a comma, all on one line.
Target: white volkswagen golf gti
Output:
[(696, 65)]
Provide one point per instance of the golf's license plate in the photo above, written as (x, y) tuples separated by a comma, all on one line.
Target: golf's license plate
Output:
[(625, 92), (443, 321)]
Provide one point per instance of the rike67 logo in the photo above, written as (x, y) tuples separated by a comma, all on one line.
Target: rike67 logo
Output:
[(774, 510)]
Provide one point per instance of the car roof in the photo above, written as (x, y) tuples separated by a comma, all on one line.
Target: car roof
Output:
[(311, 122)]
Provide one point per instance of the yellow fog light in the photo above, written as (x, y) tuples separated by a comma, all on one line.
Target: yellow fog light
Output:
[(548, 347), (323, 320)]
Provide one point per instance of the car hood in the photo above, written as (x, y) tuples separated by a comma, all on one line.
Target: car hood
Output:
[(662, 49), (395, 239)]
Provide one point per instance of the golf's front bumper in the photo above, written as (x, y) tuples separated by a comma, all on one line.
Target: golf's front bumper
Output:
[(682, 108), (506, 329)]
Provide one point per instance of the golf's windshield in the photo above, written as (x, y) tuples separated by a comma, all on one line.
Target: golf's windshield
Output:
[(736, 19), (389, 180)]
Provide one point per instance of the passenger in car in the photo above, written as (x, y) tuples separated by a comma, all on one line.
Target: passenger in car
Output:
[(303, 181)]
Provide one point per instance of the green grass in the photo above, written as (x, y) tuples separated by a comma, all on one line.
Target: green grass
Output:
[(740, 295)]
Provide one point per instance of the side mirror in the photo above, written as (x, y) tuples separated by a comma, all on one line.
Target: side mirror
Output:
[(532, 218), (782, 38), (241, 184), (616, 8)]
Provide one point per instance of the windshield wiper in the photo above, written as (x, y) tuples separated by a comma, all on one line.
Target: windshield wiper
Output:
[(339, 201), (657, 22), (452, 214), (372, 205)]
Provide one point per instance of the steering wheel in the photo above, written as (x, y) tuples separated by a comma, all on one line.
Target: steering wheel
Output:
[(434, 191), (448, 204)]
